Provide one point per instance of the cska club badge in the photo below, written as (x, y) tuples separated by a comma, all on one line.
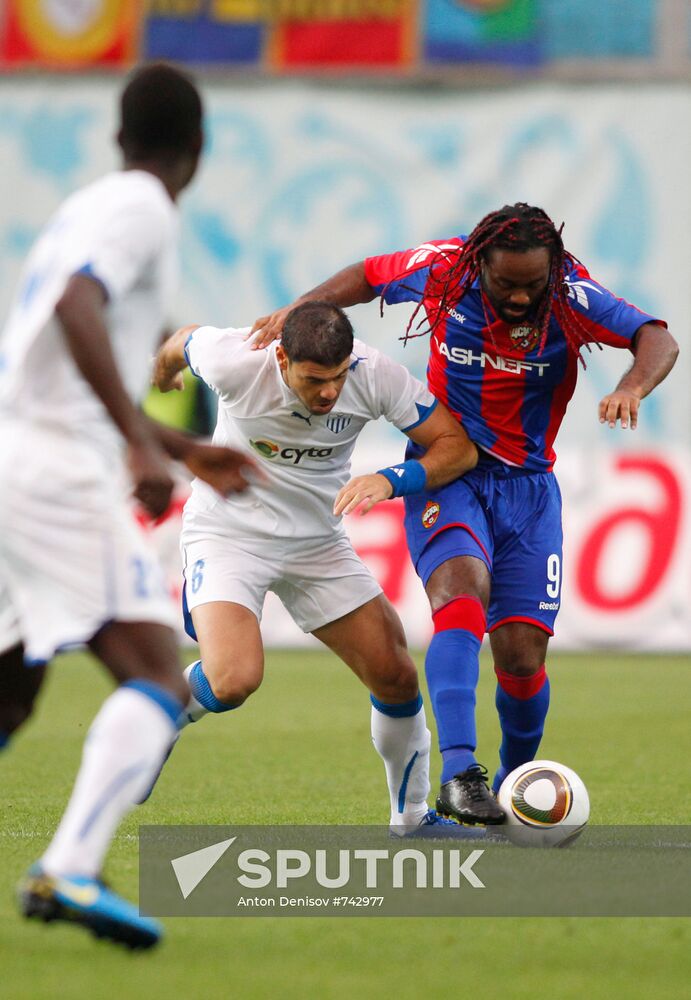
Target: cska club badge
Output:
[(524, 338), (430, 514)]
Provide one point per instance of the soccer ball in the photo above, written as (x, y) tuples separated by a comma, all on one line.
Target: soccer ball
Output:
[(546, 804)]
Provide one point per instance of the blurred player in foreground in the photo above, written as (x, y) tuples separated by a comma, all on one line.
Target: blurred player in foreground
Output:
[(301, 405), (509, 311), (74, 566)]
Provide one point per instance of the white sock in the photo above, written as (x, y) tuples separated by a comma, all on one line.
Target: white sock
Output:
[(404, 744), (122, 752), (193, 710)]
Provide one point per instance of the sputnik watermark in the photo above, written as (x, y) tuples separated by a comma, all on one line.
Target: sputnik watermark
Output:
[(396, 869), (361, 871)]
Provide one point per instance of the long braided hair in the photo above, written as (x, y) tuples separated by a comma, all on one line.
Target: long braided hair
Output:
[(518, 227)]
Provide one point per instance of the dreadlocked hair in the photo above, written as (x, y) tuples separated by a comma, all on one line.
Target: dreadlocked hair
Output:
[(518, 227)]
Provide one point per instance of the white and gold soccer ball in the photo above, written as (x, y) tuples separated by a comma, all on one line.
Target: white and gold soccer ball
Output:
[(546, 804)]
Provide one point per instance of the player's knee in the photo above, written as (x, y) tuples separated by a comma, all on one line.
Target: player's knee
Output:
[(234, 688), (398, 683), (521, 666)]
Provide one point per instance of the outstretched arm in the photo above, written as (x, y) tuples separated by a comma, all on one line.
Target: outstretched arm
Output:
[(449, 453), (225, 469), (348, 287), (655, 352)]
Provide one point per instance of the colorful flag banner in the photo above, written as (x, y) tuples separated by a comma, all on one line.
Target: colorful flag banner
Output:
[(70, 33), (205, 31), (485, 31), (314, 34)]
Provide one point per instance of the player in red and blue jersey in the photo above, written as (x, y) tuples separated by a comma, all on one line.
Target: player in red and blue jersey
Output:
[(509, 311)]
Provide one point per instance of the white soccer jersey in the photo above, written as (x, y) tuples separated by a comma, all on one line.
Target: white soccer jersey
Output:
[(306, 456), (122, 230), (71, 554)]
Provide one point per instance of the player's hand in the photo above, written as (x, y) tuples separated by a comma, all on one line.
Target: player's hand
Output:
[(362, 493), (227, 470), (622, 405), (268, 328), (153, 483)]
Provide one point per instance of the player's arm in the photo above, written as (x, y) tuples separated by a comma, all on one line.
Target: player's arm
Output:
[(80, 311), (449, 453), (171, 360), (225, 469), (348, 287), (655, 351)]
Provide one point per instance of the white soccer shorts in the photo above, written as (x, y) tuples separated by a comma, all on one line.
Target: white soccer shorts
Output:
[(317, 582), (71, 551)]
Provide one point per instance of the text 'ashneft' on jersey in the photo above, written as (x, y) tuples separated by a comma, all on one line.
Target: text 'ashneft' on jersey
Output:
[(509, 395), (306, 456)]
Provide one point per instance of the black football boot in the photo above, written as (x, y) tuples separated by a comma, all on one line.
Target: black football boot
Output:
[(467, 798)]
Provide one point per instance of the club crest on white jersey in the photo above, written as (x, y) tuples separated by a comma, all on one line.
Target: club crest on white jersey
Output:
[(337, 422)]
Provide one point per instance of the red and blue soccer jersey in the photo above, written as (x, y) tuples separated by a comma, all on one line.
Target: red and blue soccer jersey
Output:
[(509, 395)]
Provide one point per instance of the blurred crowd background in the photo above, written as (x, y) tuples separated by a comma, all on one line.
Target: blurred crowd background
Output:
[(341, 128)]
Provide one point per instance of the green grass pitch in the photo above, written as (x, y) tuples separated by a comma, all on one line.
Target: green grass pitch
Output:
[(300, 752)]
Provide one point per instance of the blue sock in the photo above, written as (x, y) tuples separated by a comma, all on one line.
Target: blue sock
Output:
[(201, 690), (4, 739), (162, 696), (452, 669), (522, 704)]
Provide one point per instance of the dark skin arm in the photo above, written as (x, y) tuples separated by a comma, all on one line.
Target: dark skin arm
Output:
[(655, 351), (348, 287), (81, 312), (227, 470)]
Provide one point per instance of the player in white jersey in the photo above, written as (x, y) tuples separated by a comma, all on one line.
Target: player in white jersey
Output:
[(300, 406), (74, 566)]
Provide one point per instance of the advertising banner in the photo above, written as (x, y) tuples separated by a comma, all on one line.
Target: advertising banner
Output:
[(485, 31), (343, 34), (625, 579), (202, 32), (70, 35)]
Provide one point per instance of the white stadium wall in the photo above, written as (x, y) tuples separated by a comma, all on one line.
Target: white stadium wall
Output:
[(300, 180)]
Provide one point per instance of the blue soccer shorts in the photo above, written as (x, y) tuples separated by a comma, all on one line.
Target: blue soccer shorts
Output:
[(509, 519)]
